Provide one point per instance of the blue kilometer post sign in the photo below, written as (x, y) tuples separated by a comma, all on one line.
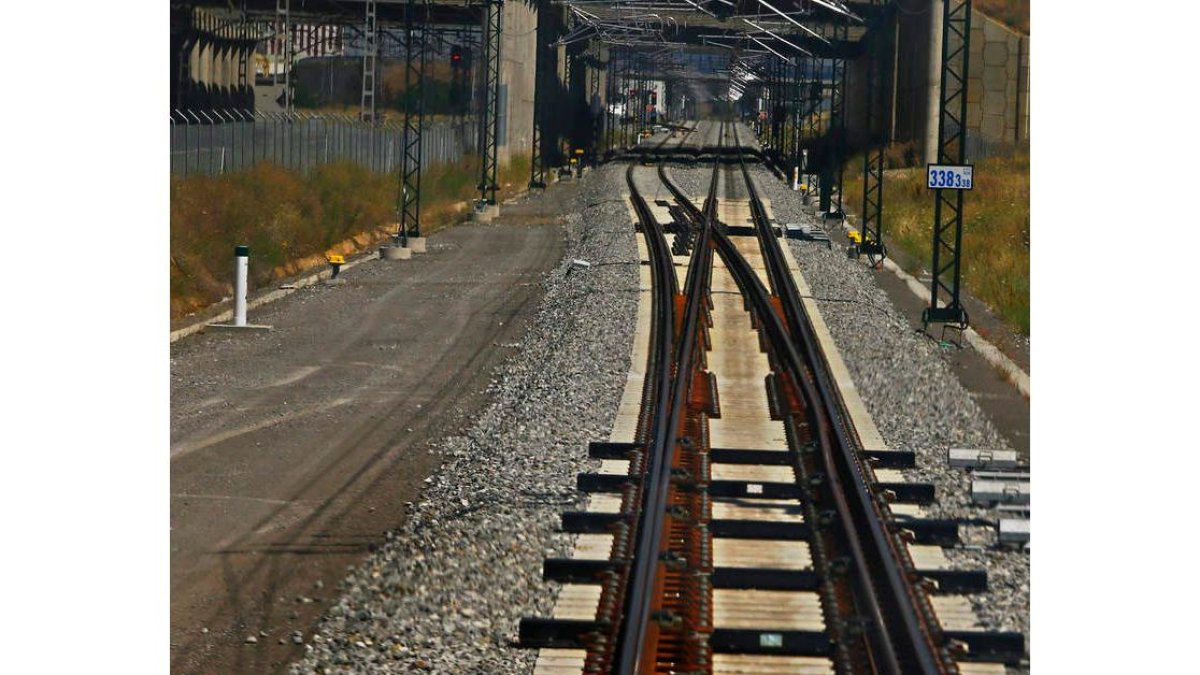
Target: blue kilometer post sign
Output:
[(950, 176)]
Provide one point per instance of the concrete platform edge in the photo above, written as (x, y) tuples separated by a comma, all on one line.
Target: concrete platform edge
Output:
[(1017, 377)]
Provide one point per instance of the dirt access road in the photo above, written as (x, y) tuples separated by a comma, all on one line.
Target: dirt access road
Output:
[(294, 451)]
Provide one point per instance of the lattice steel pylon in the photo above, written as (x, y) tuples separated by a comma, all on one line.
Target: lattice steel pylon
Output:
[(791, 105), (833, 172), (798, 111), (415, 49), (613, 89), (370, 53), (594, 99), (777, 105), (877, 140), (537, 168), (643, 94), (623, 83), (952, 149), (244, 48), (283, 25), (490, 120)]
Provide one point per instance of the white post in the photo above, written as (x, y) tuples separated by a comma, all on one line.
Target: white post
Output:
[(239, 289)]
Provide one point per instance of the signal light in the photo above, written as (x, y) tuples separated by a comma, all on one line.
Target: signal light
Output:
[(456, 55)]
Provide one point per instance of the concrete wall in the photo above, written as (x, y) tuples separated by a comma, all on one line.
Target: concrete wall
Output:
[(998, 79), (998, 82), (913, 54), (518, 67)]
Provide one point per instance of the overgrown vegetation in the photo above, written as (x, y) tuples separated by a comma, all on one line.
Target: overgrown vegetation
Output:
[(292, 219), (995, 263)]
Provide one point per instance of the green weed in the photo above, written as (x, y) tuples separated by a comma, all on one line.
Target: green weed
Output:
[(996, 236)]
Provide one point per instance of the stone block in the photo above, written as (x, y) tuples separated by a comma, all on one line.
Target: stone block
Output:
[(394, 253), (992, 30), (974, 91), (994, 103), (992, 127), (994, 80), (995, 53)]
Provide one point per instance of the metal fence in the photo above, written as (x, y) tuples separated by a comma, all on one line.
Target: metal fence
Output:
[(213, 142)]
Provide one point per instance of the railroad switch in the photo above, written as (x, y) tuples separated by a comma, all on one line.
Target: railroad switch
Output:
[(855, 625), (673, 561), (680, 475), (335, 263), (667, 619), (958, 648)]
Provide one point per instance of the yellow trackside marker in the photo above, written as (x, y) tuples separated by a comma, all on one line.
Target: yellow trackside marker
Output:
[(337, 260), (854, 236)]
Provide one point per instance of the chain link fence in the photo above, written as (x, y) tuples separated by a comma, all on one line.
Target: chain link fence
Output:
[(213, 142)]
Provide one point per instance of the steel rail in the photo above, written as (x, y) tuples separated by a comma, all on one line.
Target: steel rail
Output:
[(631, 649), (882, 592), (656, 394), (894, 606)]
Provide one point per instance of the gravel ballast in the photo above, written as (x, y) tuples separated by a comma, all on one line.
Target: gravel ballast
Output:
[(915, 399), (446, 591), (910, 391)]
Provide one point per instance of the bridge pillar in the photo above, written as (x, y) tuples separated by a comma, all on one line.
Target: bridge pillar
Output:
[(933, 79)]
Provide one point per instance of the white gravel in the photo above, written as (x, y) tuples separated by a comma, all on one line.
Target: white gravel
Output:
[(446, 591)]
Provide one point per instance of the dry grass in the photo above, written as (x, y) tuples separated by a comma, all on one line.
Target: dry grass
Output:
[(995, 264), (282, 215), (291, 220)]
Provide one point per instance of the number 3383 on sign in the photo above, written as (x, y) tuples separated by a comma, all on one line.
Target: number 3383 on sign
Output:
[(950, 176)]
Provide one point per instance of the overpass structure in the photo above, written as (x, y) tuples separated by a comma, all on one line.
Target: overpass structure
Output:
[(823, 79)]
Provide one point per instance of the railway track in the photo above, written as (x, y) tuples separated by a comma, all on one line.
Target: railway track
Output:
[(737, 525)]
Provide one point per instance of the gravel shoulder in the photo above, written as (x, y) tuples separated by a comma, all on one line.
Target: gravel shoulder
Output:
[(446, 591), (294, 451)]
